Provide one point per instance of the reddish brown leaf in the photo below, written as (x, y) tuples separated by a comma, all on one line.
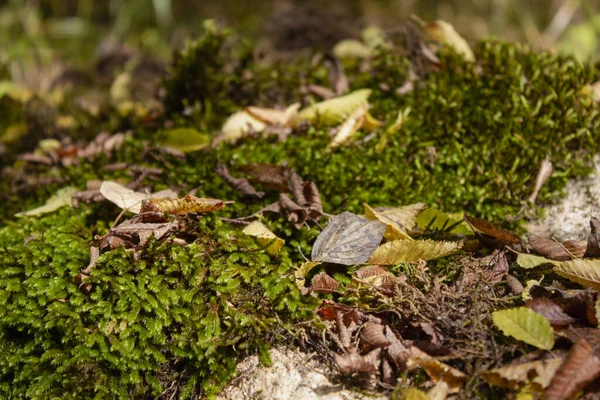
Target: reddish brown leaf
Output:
[(489, 233), (313, 201), (296, 185), (591, 335), (373, 334), (554, 250), (270, 175), (397, 351), (324, 284), (295, 214), (82, 280), (240, 184), (553, 313), (579, 368), (328, 310)]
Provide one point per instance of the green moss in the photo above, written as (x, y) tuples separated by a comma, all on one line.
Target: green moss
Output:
[(172, 314)]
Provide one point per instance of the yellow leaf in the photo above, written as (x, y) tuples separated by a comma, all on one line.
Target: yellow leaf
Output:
[(415, 394), (351, 48), (349, 127), (528, 261), (525, 325), (399, 220), (238, 125), (515, 376), (272, 116), (265, 237), (412, 250), (437, 370), (185, 140), (60, 199), (437, 220), (444, 33), (334, 111), (586, 272), (300, 273)]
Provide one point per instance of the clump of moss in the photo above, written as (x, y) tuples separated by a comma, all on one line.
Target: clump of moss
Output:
[(169, 314)]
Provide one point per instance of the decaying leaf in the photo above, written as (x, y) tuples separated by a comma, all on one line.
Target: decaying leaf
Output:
[(551, 311), (526, 325), (542, 176), (515, 376), (265, 237), (436, 220), (399, 220), (128, 199), (239, 125), (186, 205), (240, 184), (334, 111), (58, 200), (554, 250), (444, 33), (373, 334), (591, 336), (349, 127), (528, 261), (301, 272), (593, 244), (354, 362), (586, 272), (412, 250), (374, 275), (489, 231), (324, 284), (271, 116), (271, 175), (416, 394), (515, 286), (437, 370), (579, 368), (348, 239), (185, 140)]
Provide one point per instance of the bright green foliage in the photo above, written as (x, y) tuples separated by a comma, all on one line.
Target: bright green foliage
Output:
[(174, 313)]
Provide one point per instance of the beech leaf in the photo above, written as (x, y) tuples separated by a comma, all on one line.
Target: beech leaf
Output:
[(529, 261), (433, 219), (525, 325), (185, 140), (58, 200), (348, 239), (265, 237), (437, 370), (349, 127), (128, 199), (324, 284), (412, 250), (399, 220), (415, 394), (586, 272), (515, 376), (334, 111)]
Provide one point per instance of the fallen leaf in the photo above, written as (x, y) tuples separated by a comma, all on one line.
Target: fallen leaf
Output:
[(586, 272), (123, 197), (412, 250), (490, 231), (542, 176), (432, 219), (416, 394), (439, 391), (334, 111), (529, 261), (324, 284), (237, 126), (437, 370), (351, 48), (271, 116), (240, 184), (591, 335), (374, 335), (271, 175), (354, 362), (399, 220), (593, 244), (185, 140), (515, 376), (515, 286), (301, 272), (186, 205), (444, 33), (526, 325), (579, 368), (348, 239), (554, 250), (62, 198), (551, 311), (348, 128), (265, 237), (374, 275)]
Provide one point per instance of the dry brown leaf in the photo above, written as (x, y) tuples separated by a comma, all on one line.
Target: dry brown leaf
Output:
[(324, 284), (271, 175), (399, 220), (593, 244), (586, 272), (240, 184), (542, 176), (515, 376), (348, 239), (373, 334), (553, 313), (186, 205), (591, 335), (374, 275), (489, 231), (437, 370), (354, 362), (554, 250), (313, 203), (515, 286), (579, 368), (412, 250)]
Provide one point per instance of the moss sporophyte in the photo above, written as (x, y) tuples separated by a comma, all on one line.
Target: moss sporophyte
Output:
[(179, 308)]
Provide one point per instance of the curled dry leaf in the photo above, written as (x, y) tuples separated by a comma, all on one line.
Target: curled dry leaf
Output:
[(295, 214), (271, 175), (324, 284), (300, 275), (593, 244), (591, 336), (488, 231), (542, 176), (515, 286), (399, 220), (397, 352), (348, 239), (240, 184), (374, 275), (333, 111), (239, 125), (514, 376), (354, 362), (526, 325), (265, 237), (554, 250), (374, 335), (186, 205), (437, 370), (128, 199), (412, 250), (444, 33), (551, 311), (330, 311), (579, 368), (585, 272), (349, 127), (313, 203)]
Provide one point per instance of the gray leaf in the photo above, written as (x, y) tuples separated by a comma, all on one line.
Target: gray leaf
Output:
[(348, 240)]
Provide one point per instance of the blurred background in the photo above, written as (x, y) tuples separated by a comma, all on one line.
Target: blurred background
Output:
[(76, 29)]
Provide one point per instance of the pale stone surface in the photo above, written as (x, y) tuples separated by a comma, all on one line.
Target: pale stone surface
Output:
[(293, 376), (570, 217)]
